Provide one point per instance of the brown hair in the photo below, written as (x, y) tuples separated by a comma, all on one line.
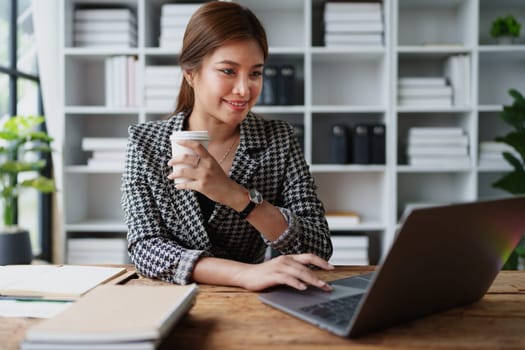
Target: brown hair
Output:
[(212, 25)]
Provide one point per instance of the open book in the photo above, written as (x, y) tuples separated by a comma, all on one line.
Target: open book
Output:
[(114, 317), (53, 281)]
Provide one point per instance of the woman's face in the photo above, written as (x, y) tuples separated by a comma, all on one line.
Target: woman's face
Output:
[(229, 82)]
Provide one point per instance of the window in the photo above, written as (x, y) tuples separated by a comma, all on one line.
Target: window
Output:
[(20, 94)]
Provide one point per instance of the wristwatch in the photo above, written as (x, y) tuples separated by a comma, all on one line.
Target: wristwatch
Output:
[(255, 199)]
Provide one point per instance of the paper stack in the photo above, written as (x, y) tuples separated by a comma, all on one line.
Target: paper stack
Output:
[(424, 92), (121, 81), (353, 23), (438, 147), (349, 250), (161, 86), (173, 21), (97, 251), (107, 152), (491, 155), (115, 28)]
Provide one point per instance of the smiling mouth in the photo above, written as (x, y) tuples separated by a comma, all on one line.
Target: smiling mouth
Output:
[(237, 104)]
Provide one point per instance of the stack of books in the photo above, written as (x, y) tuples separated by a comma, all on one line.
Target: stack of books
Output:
[(491, 155), (97, 251), (424, 92), (457, 71), (438, 147), (115, 28), (114, 317), (349, 250), (107, 152), (353, 23), (121, 81), (161, 86), (173, 21)]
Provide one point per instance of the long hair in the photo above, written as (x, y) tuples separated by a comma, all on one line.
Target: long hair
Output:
[(212, 25)]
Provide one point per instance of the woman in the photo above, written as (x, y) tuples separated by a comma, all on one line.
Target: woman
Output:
[(249, 189)]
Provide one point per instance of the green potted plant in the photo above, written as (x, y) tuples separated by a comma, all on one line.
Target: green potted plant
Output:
[(20, 147), (505, 29), (514, 181)]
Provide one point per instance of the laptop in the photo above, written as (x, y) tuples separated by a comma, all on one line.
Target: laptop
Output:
[(442, 257)]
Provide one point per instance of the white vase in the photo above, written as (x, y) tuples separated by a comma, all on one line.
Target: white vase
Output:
[(505, 40)]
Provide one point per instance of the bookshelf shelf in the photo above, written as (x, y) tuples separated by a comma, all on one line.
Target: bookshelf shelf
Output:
[(346, 85)]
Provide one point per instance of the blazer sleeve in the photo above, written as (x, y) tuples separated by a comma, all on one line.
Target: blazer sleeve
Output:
[(152, 248), (307, 230)]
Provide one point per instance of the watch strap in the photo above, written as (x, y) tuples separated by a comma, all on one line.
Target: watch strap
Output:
[(246, 211)]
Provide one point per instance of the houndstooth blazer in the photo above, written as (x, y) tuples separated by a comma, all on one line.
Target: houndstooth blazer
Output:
[(166, 232)]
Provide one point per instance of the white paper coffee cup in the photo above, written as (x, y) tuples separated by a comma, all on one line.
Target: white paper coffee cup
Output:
[(177, 149)]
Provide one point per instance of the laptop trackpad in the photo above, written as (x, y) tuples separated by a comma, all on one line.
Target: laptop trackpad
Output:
[(361, 282)]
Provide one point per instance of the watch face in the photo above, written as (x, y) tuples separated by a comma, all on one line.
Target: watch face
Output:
[(256, 197)]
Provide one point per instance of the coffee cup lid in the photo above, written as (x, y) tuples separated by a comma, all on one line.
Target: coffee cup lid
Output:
[(190, 135)]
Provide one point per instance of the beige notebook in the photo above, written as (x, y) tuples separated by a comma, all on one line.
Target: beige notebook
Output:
[(53, 281), (113, 314)]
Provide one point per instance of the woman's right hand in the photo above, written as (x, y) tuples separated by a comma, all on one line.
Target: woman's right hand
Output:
[(291, 270)]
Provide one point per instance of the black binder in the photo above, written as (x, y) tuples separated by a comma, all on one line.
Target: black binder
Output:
[(377, 134), (361, 143), (269, 90), (340, 139), (286, 85)]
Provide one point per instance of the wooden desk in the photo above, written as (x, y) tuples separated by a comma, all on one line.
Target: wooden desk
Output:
[(232, 318)]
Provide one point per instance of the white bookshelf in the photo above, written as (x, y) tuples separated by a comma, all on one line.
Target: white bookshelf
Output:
[(348, 85)]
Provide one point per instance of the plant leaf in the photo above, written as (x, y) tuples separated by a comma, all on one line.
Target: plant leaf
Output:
[(512, 182), (41, 183), (17, 167), (515, 139)]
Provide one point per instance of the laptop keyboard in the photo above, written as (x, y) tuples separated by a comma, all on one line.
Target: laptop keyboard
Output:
[(338, 311)]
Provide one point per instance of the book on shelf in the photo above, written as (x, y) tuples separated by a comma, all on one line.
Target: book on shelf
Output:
[(100, 14), (440, 140), (160, 102), (491, 155), (269, 93), (354, 27), (53, 281), (340, 144), (440, 150), (372, 16), (162, 75), (97, 251), (351, 7), (361, 144), (457, 71), (121, 86), (338, 39), (115, 317), (342, 242), (442, 102), (286, 85), (425, 91), (377, 144), (104, 143), (421, 81), (105, 27), (186, 9), (342, 220), (173, 21), (435, 131), (460, 161)]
